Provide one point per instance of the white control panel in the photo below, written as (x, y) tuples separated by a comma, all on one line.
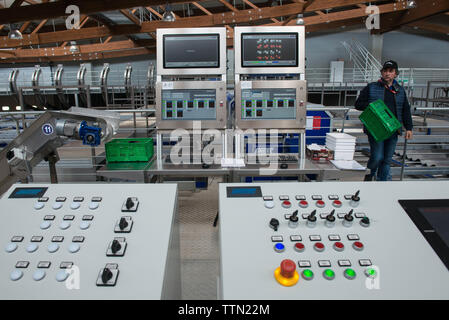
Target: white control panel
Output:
[(331, 240), (89, 241)]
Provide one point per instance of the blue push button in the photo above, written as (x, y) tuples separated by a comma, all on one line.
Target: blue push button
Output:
[(279, 247)]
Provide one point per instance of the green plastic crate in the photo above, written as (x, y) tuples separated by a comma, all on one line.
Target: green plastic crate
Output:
[(379, 120), (126, 150)]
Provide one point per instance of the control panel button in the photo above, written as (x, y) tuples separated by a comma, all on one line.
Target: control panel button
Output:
[(268, 204), (371, 273), (337, 203), (16, 275), (303, 204), (293, 220), (11, 247), (64, 225), (45, 225), (329, 274), (124, 225), (286, 274), (319, 247), (338, 246), (330, 219), (74, 247), (349, 274), (348, 219), (307, 274), (274, 224), (53, 247), (62, 275), (286, 204), (38, 275), (94, 205), (355, 200), (279, 247), (320, 204), (39, 205), (117, 247), (75, 205), (57, 205), (130, 205), (311, 219), (365, 222), (84, 225), (299, 247), (32, 247), (358, 246)]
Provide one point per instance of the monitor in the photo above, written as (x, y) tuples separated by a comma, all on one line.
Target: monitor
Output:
[(182, 51), (269, 50)]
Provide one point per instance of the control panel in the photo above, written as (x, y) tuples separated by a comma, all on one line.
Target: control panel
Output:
[(89, 241), (189, 104), (179, 104), (329, 240), (269, 104)]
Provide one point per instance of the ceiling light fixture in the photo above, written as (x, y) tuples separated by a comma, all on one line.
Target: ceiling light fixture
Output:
[(299, 19), (168, 15), (411, 4), (14, 34), (73, 47)]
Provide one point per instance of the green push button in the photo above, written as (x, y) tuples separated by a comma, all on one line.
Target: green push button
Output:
[(307, 274), (349, 274), (329, 274), (371, 273)]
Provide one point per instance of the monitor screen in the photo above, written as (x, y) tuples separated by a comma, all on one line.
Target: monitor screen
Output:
[(269, 50), (191, 51)]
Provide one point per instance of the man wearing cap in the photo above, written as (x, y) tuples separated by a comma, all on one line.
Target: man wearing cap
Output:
[(393, 95)]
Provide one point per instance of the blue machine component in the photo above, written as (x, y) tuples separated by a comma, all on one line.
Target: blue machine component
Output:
[(90, 136)]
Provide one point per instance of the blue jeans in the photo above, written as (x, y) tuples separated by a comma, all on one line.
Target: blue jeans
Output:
[(381, 154)]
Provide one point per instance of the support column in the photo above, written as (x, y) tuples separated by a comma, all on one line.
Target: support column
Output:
[(377, 41)]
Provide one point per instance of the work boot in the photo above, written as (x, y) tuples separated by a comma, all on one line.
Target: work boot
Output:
[(369, 177)]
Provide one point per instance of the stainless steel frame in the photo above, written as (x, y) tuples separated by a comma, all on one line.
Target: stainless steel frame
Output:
[(191, 71), (301, 95), (300, 69), (219, 123)]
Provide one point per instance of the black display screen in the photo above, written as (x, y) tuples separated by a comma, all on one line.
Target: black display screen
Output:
[(191, 51), (269, 50), (23, 193), (432, 219)]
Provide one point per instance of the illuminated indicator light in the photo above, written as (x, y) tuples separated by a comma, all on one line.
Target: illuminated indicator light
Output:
[(329, 274), (307, 274), (371, 273), (349, 274), (279, 247)]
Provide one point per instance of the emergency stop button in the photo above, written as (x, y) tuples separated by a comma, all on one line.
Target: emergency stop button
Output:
[(286, 273)]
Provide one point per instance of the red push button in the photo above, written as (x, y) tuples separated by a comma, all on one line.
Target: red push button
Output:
[(358, 246), (288, 268), (320, 204), (337, 203), (299, 247), (303, 204), (286, 204), (338, 246), (319, 247)]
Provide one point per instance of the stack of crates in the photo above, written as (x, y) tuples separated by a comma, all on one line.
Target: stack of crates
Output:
[(129, 150), (379, 120)]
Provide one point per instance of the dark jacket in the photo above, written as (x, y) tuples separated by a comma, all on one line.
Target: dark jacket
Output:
[(397, 103)]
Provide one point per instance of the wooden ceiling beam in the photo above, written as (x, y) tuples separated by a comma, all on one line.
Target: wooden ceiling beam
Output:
[(425, 9), (432, 27), (130, 16)]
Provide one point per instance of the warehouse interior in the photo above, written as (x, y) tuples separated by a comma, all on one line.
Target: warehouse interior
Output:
[(220, 137)]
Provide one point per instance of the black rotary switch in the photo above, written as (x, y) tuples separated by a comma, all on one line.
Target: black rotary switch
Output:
[(129, 203), (274, 224), (115, 246), (330, 219), (293, 220), (311, 219), (123, 223), (365, 222), (106, 275), (348, 219)]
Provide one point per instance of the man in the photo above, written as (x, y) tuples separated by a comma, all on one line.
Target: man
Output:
[(395, 98)]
